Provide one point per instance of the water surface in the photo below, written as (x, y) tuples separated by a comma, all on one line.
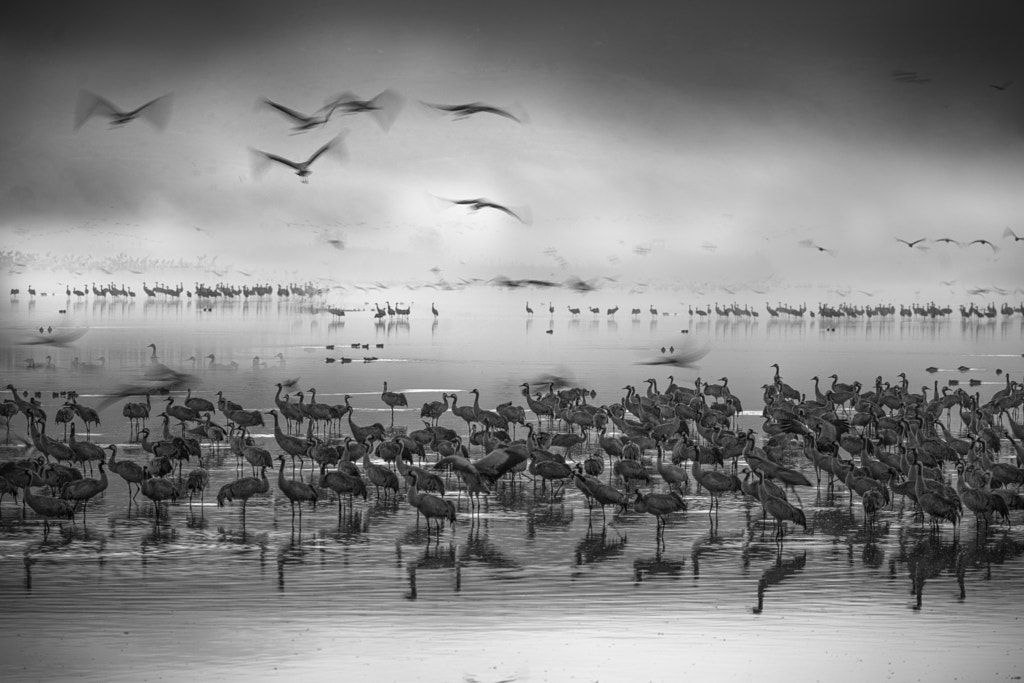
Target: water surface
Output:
[(531, 588)]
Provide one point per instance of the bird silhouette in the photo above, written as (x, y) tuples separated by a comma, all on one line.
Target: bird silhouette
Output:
[(913, 77), (296, 490), (46, 507), (84, 489), (430, 506), (910, 244), (462, 111), (482, 203), (659, 505), (131, 472), (303, 122), (243, 489), (384, 108), (1010, 233), (812, 245), (1000, 86), (301, 167), (392, 399), (157, 489), (155, 111), (995, 248)]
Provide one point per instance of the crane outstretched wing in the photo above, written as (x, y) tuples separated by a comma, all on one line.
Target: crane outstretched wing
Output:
[(291, 113), (329, 145), (90, 104), (157, 111)]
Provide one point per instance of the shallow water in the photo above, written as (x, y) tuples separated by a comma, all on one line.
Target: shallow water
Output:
[(531, 588)]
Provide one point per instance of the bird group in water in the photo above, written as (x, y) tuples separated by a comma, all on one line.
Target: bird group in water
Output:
[(879, 442)]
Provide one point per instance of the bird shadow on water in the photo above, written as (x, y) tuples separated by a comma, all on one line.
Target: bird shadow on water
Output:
[(981, 554), (707, 544), (775, 574), (242, 537), (548, 516), (596, 547), (67, 545), (872, 555), (293, 553), (197, 521), (435, 557), (159, 537), (353, 528), (477, 548), (657, 566), (927, 555)]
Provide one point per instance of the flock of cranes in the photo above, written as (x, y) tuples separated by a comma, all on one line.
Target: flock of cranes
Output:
[(879, 444), (308, 292)]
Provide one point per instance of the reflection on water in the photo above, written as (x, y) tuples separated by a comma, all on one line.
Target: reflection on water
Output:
[(777, 573), (531, 556)]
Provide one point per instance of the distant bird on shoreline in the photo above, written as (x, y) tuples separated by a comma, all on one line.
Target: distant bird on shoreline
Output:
[(481, 203), (384, 108), (157, 111), (302, 121), (910, 244), (462, 111), (301, 168)]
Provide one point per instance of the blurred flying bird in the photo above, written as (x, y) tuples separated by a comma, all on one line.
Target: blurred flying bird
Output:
[(158, 379), (55, 338), (949, 240), (811, 245), (909, 77), (383, 108), (302, 121), (155, 111), (994, 247), (462, 111), (301, 168), (482, 203), (684, 358), (910, 244), (1010, 233), (1000, 86)]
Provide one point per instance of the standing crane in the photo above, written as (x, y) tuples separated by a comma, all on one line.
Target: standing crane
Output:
[(131, 472), (46, 507), (659, 505), (430, 506), (296, 490), (393, 399), (243, 489)]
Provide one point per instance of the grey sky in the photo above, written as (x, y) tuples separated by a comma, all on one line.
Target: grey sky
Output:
[(666, 141)]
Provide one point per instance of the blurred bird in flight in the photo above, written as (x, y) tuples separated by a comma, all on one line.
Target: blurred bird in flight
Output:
[(301, 167), (157, 111)]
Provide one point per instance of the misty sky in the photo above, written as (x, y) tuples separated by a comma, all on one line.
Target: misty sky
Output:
[(683, 142)]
